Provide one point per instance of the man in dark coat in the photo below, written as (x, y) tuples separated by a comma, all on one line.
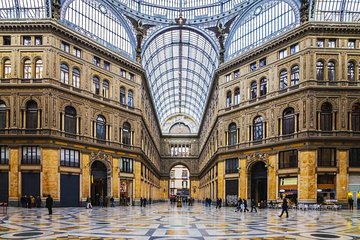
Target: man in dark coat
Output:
[(49, 204), (253, 205), (284, 208)]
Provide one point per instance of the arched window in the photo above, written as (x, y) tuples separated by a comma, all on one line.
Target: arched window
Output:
[(105, 89), (31, 115), (263, 86), (237, 96), (331, 71), (122, 96), (288, 124), (258, 128), (326, 117), (130, 98), (39, 68), (228, 99), (351, 71), (294, 75), (76, 77), (126, 133), (320, 71), (355, 117), (27, 69), (100, 127), (283, 79), (64, 73), (70, 120), (7, 68), (2, 115), (96, 85), (232, 134), (253, 90)]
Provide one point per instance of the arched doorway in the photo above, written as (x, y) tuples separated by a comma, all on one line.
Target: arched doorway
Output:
[(98, 182), (259, 182), (179, 184)]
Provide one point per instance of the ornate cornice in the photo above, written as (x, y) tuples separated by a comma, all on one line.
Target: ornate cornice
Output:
[(59, 29), (306, 29)]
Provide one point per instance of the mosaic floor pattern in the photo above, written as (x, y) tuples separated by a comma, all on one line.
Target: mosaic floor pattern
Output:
[(162, 221)]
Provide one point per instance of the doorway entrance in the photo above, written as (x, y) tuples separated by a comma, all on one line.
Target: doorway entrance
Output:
[(98, 183), (179, 182), (259, 182)]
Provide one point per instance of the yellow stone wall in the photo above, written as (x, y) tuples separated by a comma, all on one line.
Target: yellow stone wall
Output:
[(50, 175), (14, 181), (243, 179), (164, 184), (272, 177), (85, 183), (194, 190), (137, 172), (220, 182), (115, 178), (307, 182), (342, 177)]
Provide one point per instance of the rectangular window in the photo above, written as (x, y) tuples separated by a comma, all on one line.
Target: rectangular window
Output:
[(332, 43), (65, 47), (123, 73), (30, 155), (288, 159), (228, 77), (262, 62), (4, 155), (96, 61), (70, 158), (38, 40), (320, 43), (294, 48), (106, 65), (172, 174), (26, 40), (236, 73), (126, 165), (326, 157), (232, 165), (77, 52), (131, 77), (184, 174), (6, 40), (253, 67), (283, 53), (354, 157), (351, 43)]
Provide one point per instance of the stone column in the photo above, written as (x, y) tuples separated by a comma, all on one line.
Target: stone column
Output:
[(307, 179), (115, 178), (272, 185), (85, 181), (137, 185), (243, 179), (220, 186)]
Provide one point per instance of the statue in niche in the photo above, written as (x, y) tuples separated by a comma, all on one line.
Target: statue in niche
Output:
[(56, 9), (304, 11), (220, 31), (141, 31)]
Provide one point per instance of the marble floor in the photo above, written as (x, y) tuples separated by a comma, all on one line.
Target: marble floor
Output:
[(162, 221)]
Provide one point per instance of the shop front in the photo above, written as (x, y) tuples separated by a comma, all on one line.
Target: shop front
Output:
[(126, 192), (288, 188), (354, 189), (326, 188)]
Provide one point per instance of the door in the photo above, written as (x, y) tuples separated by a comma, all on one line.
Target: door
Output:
[(30, 184), (4, 186), (69, 190)]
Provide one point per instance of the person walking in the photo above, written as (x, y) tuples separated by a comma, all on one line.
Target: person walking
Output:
[(49, 203), (220, 203), (245, 205), (351, 203), (141, 202), (217, 203), (284, 208), (101, 201), (253, 205), (112, 201), (38, 202), (238, 207), (88, 203)]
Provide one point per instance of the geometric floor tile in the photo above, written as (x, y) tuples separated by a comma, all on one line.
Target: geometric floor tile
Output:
[(164, 221)]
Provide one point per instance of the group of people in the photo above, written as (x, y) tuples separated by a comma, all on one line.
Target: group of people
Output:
[(101, 201), (242, 205), (143, 202), (29, 201), (218, 203)]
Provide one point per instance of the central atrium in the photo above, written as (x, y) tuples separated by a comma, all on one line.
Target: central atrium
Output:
[(168, 100)]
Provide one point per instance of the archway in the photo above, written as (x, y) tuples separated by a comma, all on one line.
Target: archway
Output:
[(98, 182), (258, 182), (179, 183)]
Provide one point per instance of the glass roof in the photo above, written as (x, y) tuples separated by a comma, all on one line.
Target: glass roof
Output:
[(337, 10), (189, 9), (180, 64), (10, 9)]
